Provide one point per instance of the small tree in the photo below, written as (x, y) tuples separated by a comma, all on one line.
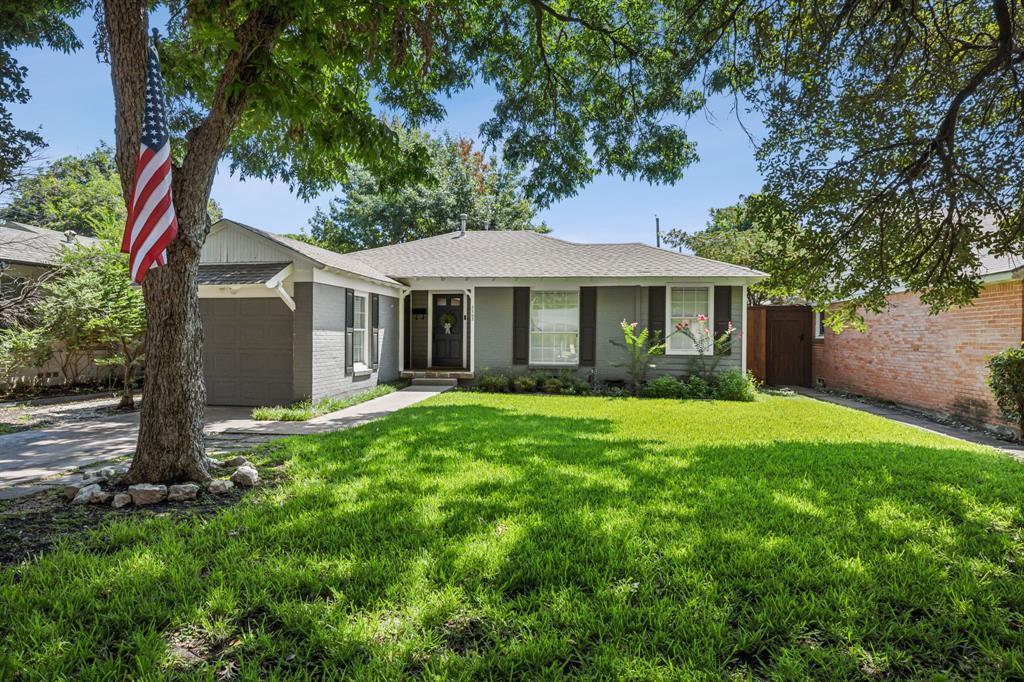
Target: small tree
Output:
[(23, 347), (710, 348), (1006, 378), (640, 348)]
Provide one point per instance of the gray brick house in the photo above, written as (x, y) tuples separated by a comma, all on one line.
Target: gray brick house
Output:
[(285, 320)]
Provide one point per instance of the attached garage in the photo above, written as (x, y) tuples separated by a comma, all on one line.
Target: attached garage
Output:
[(247, 353)]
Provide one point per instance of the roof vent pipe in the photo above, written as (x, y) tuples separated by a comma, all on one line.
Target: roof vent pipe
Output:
[(462, 223)]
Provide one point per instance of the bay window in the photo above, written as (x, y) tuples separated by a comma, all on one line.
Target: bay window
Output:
[(686, 305), (554, 327)]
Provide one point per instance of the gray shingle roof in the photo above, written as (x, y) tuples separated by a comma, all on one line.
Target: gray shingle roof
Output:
[(238, 273), (341, 261), (529, 254), (34, 245)]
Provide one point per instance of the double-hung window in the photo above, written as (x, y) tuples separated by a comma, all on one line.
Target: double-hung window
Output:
[(554, 327), (686, 305), (359, 330)]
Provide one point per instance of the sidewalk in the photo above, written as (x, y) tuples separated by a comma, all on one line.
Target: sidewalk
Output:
[(919, 421)]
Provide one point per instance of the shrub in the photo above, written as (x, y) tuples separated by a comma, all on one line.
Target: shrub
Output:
[(524, 384), (574, 386), (640, 348), (663, 387), (733, 384), (697, 388), (494, 383), (552, 385), (1006, 379)]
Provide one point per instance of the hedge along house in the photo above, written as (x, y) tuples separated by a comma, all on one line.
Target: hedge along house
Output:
[(285, 320)]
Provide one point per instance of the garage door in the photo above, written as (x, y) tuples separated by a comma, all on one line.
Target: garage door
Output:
[(247, 354)]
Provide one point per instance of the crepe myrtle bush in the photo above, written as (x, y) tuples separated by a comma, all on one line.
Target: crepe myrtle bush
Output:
[(1006, 378), (710, 348)]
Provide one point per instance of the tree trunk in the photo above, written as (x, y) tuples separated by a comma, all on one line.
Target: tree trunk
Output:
[(127, 399)]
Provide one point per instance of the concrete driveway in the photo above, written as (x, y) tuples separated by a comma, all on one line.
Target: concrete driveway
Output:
[(28, 456)]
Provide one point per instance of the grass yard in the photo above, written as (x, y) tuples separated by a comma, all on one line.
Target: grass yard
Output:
[(307, 409), (478, 535)]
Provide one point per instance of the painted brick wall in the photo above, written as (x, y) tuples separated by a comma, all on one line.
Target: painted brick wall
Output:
[(319, 343), (932, 362)]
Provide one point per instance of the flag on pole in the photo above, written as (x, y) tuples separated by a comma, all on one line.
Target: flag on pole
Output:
[(151, 224)]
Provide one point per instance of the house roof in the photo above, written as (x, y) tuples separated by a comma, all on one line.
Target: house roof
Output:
[(31, 245), (996, 265), (331, 259), (238, 273), (530, 254)]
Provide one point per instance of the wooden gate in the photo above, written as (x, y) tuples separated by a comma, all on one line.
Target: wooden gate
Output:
[(779, 344)]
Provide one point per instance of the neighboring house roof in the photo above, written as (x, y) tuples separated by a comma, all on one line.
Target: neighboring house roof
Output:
[(30, 245), (331, 259), (997, 265), (238, 273), (530, 254)]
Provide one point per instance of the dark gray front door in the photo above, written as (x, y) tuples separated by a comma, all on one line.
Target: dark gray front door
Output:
[(448, 329)]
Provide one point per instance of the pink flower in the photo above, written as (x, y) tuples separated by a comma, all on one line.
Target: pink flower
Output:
[(702, 318), (680, 326)]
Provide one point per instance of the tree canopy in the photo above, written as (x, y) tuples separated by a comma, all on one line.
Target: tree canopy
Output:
[(458, 179), (735, 234), (37, 23)]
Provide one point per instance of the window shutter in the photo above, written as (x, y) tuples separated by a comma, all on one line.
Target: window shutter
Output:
[(374, 326), (521, 326), (656, 311), (588, 326), (350, 316), (723, 312)]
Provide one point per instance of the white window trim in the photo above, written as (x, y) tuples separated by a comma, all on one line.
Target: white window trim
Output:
[(818, 331), (529, 343), (669, 328), (362, 366)]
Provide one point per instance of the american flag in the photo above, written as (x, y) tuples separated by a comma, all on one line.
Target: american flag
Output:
[(151, 224)]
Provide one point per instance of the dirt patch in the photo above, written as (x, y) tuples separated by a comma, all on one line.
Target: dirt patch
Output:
[(33, 524)]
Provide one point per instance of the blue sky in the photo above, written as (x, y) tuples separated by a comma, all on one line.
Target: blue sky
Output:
[(72, 105)]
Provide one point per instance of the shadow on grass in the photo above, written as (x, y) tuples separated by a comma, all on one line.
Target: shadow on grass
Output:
[(469, 540)]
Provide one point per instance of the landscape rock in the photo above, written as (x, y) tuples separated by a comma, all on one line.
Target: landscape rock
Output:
[(220, 486), (84, 496), (246, 475), (146, 493), (236, 461), (101, 497), (120, 500), (182, 492), (71, 489)]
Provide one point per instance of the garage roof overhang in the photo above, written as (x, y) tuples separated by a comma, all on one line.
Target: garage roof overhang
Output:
[(250, 278)]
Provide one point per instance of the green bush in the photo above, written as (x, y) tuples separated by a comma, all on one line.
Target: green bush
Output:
[(1006, 379), (576, 387), (524, 384), (552, 385), (494, 383), (663, 387), (696, 388), (733, 384)]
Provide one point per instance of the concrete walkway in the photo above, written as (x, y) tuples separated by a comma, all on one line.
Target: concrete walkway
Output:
[(33, 460), (919, 421)]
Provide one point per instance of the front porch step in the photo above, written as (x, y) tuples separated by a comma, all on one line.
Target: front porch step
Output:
[(456, 374), (434, 381)]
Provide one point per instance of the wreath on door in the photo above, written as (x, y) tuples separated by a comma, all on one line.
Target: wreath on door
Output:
[(447, 321)]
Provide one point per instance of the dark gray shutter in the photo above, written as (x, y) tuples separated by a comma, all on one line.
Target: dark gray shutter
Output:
[(375, 323), (656, 311), (723, 312), (521, 326), (588, 326), (350, 316)]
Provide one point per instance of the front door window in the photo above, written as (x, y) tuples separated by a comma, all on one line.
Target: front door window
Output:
[(448, 329)]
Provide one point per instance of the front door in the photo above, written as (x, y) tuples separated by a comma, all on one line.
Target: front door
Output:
[(447, 331)]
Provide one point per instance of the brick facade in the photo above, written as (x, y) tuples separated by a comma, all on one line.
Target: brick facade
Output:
[(931, 362)]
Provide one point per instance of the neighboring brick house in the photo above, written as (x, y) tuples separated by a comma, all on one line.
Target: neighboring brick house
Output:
[(936, 363)]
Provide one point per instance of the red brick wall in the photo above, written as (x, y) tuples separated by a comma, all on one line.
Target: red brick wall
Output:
[(933, 362)]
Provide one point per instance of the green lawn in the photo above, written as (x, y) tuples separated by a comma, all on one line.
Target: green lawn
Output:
[(478, 535), (307, 409)]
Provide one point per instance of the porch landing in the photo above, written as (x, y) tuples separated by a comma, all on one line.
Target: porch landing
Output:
[(437, 373)]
